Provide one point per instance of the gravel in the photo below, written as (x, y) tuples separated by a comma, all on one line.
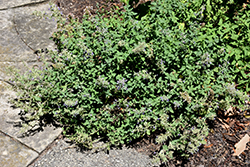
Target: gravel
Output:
[(62, 155)]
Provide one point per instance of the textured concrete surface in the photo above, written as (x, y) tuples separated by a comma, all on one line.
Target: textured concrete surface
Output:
[(6, 4), (14, 154), (19, 32), (10, 123), (22, 33)]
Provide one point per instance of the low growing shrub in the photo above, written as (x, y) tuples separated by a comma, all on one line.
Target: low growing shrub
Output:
[(226, 25), (122, 78)]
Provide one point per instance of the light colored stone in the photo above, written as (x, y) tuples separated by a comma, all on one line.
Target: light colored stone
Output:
[(34, 31), (22, 66), (10, 123), (3, 88), (14, 154), (21, 34), (10, 43), (6, 4)]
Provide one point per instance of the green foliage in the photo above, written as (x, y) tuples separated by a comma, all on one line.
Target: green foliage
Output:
[(124, 77), (226, 25), (125, 1)]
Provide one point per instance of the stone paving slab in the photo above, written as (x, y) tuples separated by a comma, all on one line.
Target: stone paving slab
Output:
[(19, 31), (3, 88), (10, 123), (35, 31), (14, 154), (22, 33), (6, 4), (22, 66), (11, 44)]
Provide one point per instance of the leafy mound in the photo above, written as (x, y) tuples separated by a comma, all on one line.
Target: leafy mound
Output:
[(124, 77)]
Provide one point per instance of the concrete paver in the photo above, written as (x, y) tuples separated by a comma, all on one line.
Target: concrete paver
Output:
[(10, 123), (14, 154), (19, 25), (6, 4), (16, 15)]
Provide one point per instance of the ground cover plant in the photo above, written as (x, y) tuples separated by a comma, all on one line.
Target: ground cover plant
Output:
[(226, 23), (126, 76)]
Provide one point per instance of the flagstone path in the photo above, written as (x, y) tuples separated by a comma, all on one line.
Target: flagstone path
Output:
[(21, 33)]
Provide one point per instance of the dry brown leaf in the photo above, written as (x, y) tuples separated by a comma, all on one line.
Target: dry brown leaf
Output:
[(208, 146), (246, 123), (241, 145), (243, 153), (231, 123), (231, 112), (229, 134), (239, 124), (224, 125), (234, 150), (244, 5)]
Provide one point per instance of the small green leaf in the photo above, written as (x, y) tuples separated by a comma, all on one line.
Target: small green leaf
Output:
[(37, 98), (243, 74), (148, 132), (208, 6), (165, 147), (181, 26)]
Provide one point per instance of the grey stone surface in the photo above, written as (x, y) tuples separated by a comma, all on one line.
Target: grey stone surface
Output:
[(34, 31), (22, 66), (6, 4), (14, 154), (10, 43), (3, 89), (22, 33), (10, 123)]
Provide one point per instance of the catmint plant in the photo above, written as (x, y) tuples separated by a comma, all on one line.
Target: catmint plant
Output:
[(124, 77)]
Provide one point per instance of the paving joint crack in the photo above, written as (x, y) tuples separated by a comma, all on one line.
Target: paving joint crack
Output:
[(25, 5), (20, 35), (49, 147), (16, 140)]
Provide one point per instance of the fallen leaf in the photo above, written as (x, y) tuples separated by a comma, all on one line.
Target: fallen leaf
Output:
[(231, 112), (229, 134), (246, 123), (244, 5), (243, 153), (231, 123), (241, 145), (208, 146), (234, 150), (224, 125), (239, 124)]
